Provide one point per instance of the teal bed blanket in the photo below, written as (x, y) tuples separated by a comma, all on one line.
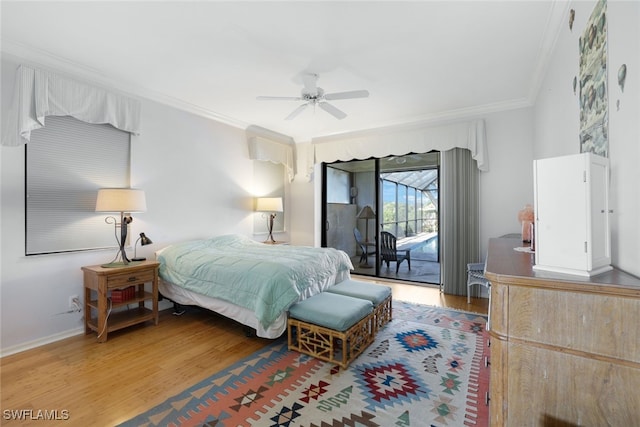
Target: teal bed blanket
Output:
[(266, 279)]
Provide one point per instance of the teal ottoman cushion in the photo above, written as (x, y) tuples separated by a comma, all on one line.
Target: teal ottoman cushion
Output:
[(356, 289), (333, 311)]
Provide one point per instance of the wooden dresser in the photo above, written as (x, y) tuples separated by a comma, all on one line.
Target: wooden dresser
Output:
[(565, 350)]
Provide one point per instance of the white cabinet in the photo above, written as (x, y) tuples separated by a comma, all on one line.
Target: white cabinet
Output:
[(572, 214)]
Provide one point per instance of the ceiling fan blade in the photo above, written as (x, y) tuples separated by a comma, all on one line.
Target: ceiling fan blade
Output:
[(297, 111), (347, 95), (338, 114), (278, 98), (310, 83)]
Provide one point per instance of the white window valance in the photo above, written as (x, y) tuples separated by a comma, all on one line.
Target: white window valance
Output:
[(271, 147), (397, 142), (40, 93)]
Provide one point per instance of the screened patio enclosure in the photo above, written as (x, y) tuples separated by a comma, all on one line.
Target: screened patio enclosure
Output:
[(396, 194), (410, 202)]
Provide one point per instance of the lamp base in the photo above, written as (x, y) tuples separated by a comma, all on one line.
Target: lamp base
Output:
[(139, 259), (120, 264)]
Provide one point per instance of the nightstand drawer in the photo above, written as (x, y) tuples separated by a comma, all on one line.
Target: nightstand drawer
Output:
[(131, 278)]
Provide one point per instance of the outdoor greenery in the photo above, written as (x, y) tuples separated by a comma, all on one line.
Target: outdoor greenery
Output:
[(407, 210)]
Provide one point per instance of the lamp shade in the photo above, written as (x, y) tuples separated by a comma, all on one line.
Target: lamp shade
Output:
[(121, 200), (269, 204), (144, 240), (366, 213)]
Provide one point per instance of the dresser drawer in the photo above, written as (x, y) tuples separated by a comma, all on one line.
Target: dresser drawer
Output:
[(596, 324), (131, 278)]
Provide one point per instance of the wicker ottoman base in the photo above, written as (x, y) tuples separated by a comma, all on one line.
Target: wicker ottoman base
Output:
[(330, 345), (382, 314)]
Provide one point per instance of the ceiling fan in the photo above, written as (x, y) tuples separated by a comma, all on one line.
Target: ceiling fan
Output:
[(313, 95)]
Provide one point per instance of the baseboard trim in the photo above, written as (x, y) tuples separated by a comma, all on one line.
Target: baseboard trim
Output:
[(162, 305), (41, 341)]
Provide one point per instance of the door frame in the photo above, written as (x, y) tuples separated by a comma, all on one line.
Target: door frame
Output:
[(377, 202)]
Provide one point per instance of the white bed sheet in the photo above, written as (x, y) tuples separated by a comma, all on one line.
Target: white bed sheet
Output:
[(240, 314)]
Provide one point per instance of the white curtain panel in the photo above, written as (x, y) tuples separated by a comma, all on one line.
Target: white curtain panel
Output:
[(40, 93), (381, 143)]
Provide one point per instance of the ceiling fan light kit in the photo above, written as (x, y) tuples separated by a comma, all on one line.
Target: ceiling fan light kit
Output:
[(313, 95)]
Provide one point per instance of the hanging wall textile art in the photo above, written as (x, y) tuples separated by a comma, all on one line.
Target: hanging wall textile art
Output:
[(594, 104)]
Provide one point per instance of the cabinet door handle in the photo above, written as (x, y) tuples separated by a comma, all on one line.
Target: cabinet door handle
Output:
[(486, 362), (132, 279), (486, 398)]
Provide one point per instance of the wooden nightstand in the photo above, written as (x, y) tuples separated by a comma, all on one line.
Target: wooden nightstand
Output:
[(100, 281)]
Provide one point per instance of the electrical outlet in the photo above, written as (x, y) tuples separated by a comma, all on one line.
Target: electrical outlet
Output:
[(74, 303)]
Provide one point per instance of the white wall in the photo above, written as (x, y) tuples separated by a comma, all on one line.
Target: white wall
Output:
[(305, 197), (556, 118), (508, 185), (198, 181)]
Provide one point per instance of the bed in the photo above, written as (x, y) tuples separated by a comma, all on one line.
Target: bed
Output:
[(247, 281)]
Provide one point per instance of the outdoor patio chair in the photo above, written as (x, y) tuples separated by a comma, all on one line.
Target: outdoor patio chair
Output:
[(389, 252)]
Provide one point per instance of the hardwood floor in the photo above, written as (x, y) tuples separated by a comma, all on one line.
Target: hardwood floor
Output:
[(429, 295), (104, 384)]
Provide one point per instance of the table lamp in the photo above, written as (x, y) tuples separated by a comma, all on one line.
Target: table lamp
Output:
[(270, 205), (144, 241), (125, 201)]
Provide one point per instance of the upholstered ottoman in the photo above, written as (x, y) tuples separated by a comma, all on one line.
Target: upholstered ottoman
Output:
[(380, 297), (331, 327)]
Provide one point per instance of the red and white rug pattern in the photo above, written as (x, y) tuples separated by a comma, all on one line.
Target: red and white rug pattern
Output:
[(425, 368)]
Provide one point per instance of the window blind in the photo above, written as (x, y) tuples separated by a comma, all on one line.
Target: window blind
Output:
[(66, 163)]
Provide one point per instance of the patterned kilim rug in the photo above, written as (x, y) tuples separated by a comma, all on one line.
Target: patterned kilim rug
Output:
[(425, 368)]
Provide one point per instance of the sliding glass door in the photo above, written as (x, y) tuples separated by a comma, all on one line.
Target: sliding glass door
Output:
[(350, 211), (397, 195)]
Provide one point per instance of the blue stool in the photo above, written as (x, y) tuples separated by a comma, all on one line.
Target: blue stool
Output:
[(380, 297), (331, 327)]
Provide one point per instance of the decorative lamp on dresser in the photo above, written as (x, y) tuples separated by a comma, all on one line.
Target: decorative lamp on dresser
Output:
[(107, 289), (565, 349)]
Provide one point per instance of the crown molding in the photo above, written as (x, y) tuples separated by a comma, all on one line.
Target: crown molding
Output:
[(41, 59), (258, 131), (558, 16), (430, 120)]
